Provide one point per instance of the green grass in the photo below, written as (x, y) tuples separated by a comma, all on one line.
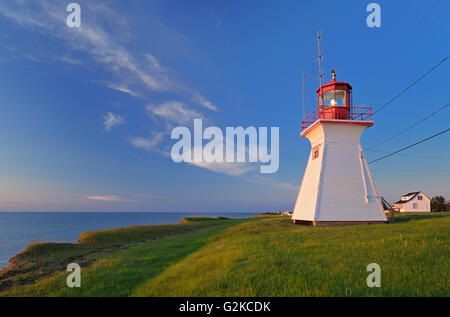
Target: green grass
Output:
[(113, 261), (243, 257)]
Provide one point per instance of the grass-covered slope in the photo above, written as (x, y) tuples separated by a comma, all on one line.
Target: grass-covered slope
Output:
[(271, 257), (247, 257), (114, 261)]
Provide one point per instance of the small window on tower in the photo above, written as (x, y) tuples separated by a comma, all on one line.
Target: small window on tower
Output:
[(315, 152), (419, 197)]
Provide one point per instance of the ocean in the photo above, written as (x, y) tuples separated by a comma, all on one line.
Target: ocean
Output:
[(18, 229)]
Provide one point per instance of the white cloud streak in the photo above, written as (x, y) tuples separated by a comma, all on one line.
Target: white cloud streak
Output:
[(148, 143), (106, 47), (202, 101), (233, 169), (174, 112), (136, 73), (110, 198), (69, 60), (112, 120), (121, 88)]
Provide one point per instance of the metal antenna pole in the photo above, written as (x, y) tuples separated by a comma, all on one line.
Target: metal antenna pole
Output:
[(319, 37)]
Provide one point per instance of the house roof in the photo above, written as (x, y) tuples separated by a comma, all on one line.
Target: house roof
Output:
[(412, 197), (405, 201), (412, 193)]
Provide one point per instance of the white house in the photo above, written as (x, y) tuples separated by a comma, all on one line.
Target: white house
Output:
[(413, 202)]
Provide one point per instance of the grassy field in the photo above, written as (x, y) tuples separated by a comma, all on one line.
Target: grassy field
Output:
[(265, 256)]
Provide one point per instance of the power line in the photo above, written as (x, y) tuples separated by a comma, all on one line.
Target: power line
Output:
[(429, 38), (412, 171), (410, 127), (419, 156), (412, 31), (413, 84), (410, 146)]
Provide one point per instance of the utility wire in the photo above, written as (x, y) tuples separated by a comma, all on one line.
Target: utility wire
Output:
[(429, 38), (410, 146), (412, 31), (419, 156), (413, 83), (412, 171), (408, 128)]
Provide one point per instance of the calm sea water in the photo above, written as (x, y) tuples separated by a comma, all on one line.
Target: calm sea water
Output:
[(18, 229)]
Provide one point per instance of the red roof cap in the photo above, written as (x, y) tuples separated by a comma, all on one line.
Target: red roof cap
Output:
[(336, 84)]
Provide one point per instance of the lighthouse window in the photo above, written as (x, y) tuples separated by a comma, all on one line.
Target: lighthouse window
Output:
[(328, 97), (339, 96), (315, 153), (334, 98)]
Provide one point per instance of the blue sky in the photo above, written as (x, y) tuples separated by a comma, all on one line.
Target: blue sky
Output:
[(86, 113)]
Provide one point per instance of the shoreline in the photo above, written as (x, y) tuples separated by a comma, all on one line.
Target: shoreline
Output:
[(161, 260), (19, 229), (100, 241)]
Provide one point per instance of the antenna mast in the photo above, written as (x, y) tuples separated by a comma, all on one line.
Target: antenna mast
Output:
[(319, 58)]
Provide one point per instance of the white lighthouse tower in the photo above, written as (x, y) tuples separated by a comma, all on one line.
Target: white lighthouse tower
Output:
[(337, 187)]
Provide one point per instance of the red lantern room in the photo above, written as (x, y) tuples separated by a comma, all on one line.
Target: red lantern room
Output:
[(335, 105), (335, 99)]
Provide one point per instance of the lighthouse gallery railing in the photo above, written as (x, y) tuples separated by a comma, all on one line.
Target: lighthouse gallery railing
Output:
[(356, 113)]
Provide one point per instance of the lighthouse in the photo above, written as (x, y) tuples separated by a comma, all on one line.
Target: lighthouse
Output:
[(337, 187)]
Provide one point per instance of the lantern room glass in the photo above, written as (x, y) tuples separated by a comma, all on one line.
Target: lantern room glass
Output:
[(334, 98)]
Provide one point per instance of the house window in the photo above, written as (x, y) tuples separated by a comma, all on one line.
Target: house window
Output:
[(414, 205), (419, 197), (315, 152)]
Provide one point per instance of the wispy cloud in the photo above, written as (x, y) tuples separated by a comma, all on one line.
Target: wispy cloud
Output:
[(110, 198), (270, 181), (174, 112), (69, 60), (112, 120), (148, 143), (203, 102), (121, 87), (233, 169), (104, 37), (155, 65), (145, 195), (105, 41)]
